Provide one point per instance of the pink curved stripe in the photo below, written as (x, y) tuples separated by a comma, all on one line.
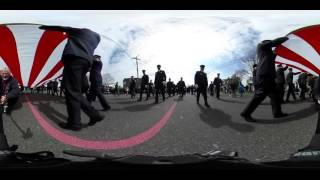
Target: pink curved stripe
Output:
[(102, 144)]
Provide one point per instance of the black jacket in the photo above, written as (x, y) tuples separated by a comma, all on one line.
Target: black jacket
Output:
[(201, 79), (217, 82), (95, 74), (280, 79), (181, 85), (144, 80), (81, 42), (12, 88), (159, 78), (266, 72)]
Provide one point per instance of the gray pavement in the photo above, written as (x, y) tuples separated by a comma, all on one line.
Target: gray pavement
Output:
[(191, 129)]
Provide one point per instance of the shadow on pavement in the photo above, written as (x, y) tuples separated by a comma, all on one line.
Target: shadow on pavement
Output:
[(217, 118), (231, 101), (50, 112), (292, 117)]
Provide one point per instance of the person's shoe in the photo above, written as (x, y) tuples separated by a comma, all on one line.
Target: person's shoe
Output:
[(207, 105), (93, 121), (197, 102), (247, 117), (70, 127), (281, 115), (13, 148)]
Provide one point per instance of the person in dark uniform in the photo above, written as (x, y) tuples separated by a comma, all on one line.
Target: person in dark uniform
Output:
[(159, 82), (9, 91), (254, 73), (181, 87), (218, 83), (77, 58), (311, 82), (49, 87), (169, 87), (55, 87), (61, 88), (265, 80), (280, 81), (291, 89), (150, 88), (302, 80), (211, 88), (144, 85), (132, 87), (95, 78), (201, 84), (116, 89)]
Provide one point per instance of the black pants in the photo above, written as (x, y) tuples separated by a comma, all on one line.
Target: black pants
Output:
[(74, 73), (181, 92), (211, 92), (202, 91), (259, 96), (291, 92), (95, 91), (143, 88), (280, 90), (3, 139), (218, 92), (132, 92), (303, 91), (160, 89)]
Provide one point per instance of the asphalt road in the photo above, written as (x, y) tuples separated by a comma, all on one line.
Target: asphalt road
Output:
[(191, 128)]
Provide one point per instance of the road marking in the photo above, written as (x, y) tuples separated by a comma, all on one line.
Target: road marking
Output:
[(101, 144)]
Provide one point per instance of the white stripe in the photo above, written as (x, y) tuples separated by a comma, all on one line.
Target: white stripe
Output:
[(27, 38), (303, 48), (52, 61), (53, 77), (290, 62)]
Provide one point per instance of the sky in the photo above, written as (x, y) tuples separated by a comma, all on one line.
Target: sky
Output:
[(178, 40)]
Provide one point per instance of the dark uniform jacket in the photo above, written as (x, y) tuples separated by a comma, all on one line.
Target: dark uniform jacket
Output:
[(144, 80), (217, 82), (266, 72), (95, 74), (81, 42), (159, 78), (181, 85), (201, 79), (280, 79), (132, 85)]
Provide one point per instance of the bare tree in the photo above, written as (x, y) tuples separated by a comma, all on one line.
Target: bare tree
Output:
[(107, 79)]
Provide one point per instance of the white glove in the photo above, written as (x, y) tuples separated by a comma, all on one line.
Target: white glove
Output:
[(164, 83), (196, 86)]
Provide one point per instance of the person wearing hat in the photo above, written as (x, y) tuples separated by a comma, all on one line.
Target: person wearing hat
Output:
[(77, 57), (95, 79), (201, 84), (170, 87), (159, 82), (291, 88), (144, 85), (265, 80), (280, 81), (217, 83)]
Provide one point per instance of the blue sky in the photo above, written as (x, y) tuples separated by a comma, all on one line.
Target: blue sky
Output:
[(178, 40)]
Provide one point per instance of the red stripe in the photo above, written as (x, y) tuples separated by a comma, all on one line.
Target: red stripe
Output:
[(9, 52), (53, 71), (311, 35), (47, 44), (288, 54)]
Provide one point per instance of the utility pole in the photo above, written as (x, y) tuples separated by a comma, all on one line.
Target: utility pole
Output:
[(136, 58)]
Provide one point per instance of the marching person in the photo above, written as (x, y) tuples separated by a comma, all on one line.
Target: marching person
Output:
[(265, 80), (201, 84), (77, 58), (144, 85), (159, 82)]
